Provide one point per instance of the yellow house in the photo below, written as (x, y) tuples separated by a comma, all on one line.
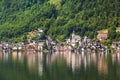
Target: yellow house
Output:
[(102, 35)]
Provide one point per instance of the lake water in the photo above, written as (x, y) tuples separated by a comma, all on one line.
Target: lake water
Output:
[(59, 66)]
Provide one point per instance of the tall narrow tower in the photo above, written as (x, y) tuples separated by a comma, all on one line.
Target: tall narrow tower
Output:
[(73, 34)]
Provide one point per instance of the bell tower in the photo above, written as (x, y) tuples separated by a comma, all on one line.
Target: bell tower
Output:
[(73, 34)]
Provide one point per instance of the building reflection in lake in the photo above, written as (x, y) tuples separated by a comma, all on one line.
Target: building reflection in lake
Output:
[(14, 56), (40, 63), (76, 61), (34, 60), (20, 56), (93, 58), (102, 64), (50, 58), (5, 56), (68, 59), (0, 56), (31, 60), (118, 57), (114, 58)]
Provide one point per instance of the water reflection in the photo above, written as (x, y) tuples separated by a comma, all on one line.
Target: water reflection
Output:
[(20, 57), (33, 61), (0, 56), (37, 63), (116, 58), (76, 61), (40, 63), (102, 64), (14, 56), (5, 56)]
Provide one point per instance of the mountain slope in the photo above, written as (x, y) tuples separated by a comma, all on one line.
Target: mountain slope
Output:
[(57, 18)]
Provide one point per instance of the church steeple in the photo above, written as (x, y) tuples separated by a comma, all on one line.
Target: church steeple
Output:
[(73, 34)]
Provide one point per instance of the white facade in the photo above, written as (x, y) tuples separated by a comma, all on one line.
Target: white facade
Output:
[(75, 38)]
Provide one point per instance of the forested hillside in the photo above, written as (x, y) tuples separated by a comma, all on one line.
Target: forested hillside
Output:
[(57, 18)]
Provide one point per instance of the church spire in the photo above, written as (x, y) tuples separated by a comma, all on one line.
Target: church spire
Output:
[(74, 31), (73, 34)]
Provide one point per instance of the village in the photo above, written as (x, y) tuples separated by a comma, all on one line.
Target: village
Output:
[(75, 44)]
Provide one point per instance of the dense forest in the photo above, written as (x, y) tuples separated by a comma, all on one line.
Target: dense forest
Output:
[(58, 18)]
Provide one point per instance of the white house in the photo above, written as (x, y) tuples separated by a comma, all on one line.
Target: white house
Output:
[(39, 32)]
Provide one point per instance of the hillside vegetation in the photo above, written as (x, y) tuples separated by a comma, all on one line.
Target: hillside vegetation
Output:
[(58, 18)]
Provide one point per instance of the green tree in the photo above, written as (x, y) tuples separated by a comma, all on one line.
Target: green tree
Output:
[(25, 39), (112, 33)]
